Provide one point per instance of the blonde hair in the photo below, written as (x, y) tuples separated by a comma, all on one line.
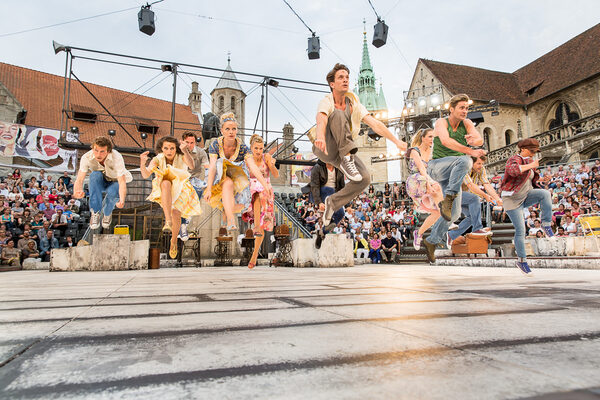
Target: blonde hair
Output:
[(228, 117), (457, 99), (256, 139), (418, 138)]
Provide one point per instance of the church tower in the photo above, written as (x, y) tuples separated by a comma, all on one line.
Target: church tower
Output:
[(228, 96)]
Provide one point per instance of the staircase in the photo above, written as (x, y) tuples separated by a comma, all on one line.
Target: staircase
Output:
[(285, 213)]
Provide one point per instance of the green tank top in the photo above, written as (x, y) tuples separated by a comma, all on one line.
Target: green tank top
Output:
[(441, 151)]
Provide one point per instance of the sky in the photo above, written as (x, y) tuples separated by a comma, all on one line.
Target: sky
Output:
[(264, 37)]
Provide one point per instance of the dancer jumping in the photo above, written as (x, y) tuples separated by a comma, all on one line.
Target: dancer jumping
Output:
[(107, 175), (261, 207), (339, 115), (171, 187), (450, 164)]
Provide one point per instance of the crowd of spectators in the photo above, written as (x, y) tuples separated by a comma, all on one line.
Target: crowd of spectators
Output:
[(379, 219), (37, 210), (575, 190)]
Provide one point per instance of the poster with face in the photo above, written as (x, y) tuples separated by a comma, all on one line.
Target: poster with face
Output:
[(8, 136), (40, 143)]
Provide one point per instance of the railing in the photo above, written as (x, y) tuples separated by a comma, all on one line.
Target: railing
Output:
[(283, 216), (548, 138)]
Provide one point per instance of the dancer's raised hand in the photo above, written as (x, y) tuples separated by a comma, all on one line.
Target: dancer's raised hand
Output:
[(144, 157)]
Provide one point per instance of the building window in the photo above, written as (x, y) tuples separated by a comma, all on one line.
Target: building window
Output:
[(232, 102), (563, 116), (221, 103), (508, 136), (487, 132)]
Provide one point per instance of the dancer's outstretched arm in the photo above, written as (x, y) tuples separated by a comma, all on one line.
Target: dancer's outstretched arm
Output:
[(382, 130)]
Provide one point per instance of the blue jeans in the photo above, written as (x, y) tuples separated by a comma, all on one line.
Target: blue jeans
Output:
[(99, 185), (375, 255), (471, 207), (449, 172), (327, 191), (535, 196)]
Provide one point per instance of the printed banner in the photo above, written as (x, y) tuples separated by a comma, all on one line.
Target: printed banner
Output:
[(35, 142)]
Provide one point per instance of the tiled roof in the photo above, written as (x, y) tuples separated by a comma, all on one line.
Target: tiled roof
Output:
[(570, 63), (479, 84), (41, 94)]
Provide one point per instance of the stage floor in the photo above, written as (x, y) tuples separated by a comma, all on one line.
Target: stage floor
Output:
[(372, 331)]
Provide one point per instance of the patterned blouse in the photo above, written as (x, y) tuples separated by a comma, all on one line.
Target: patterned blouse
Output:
[(216, 147)]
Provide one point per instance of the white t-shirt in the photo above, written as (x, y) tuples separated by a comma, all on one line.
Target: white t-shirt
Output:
[(113, 168), (330, 178)]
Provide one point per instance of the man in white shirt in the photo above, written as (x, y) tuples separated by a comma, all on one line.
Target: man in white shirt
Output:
[(107, 174), (339, 116)]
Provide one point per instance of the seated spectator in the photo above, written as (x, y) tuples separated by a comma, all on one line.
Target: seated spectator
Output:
[(70, 242), (47, 209), (375, 249), (11, 255), (561, 232), (15, 195), (53, 196), (361, 247), (559, 214), (47, 184), (389, 247), (311, 220), (7, 218), (41, 233), (537, 227), (4, 190), (41, 176), (59, 221), (4, 238), (48, 243), (569, 226), (16, 175), (26, 238), (31, 251)]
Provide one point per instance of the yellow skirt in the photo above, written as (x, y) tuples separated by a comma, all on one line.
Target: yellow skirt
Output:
[(241, 183), (184, 197)]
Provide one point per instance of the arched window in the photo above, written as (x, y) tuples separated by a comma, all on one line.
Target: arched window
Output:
[(508, 136), (562, 116), (487, 132), (232, 102), (221, 103)]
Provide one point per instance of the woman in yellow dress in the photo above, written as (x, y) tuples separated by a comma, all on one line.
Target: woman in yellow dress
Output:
[(228, 183), (171, 187)]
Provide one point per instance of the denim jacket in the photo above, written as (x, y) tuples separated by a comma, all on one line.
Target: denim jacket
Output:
[(513, 178)]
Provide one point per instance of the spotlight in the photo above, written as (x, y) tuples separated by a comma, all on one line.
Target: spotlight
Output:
[(373, 136), (144, 135), (380, 32), (410, 127), (272, 82), (381, 156), (422, 101), (476, 117), (470, 102), (166, 68), (198, 139), (146, 20), (405, 112), (112, 132), (409, 105), (434, 99), (433, 122), (493, 103), (74, 130), (314, 47), (58, 47), (495, 113), (295, 150), (447, 106)]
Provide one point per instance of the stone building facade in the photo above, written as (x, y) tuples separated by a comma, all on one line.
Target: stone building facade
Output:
[(228, 96), (555, 98)]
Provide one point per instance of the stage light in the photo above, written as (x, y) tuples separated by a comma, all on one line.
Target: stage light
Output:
[(144, 135), (412, 110), (380, 32), (447, 106), (470, 102), (295, 150), (410, 127), (384, 115), (381, 156), (434, 99), (373, 136), (438, 108), (314, 47), (430, 109), (74, 130), (409, 104), (405, 112), (272, 82), (495, 113), (493, 103), (166, 68), (58, 47), (422, 101), (112, 132), (433, 122), (377, 115), (146, 20)]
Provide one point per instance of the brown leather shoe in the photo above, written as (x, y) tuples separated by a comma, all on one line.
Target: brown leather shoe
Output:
[(446, 206), (429, 250)]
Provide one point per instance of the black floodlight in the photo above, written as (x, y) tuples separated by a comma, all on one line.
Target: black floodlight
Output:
[(272, 82), (380, 32), (314, 47), (146, 20), (373, 136), (74, 130), (112, 132), (144, 135), (58, 47)]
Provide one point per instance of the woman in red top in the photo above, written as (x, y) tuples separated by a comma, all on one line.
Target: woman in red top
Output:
[(520, 189)]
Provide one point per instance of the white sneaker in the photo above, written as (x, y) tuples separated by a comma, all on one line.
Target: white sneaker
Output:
[(106, 220), (348, 167), (183, 233), (95, 220)]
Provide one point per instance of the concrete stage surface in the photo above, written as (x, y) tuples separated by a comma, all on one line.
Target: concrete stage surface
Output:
[(367, 332)]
